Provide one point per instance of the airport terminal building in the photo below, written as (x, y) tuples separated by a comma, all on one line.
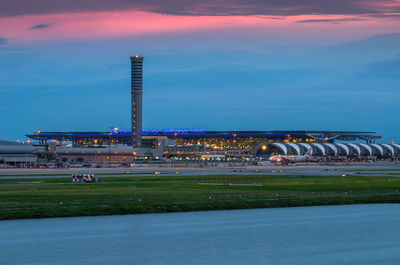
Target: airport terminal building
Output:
[(220, 139), (198, 142)]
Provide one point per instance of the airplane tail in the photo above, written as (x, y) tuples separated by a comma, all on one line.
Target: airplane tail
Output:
[(308, 153)]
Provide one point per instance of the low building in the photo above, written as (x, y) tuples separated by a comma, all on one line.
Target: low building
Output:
[(115, 154), (17, 154)]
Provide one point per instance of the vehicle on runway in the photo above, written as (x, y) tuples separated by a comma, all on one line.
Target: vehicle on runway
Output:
[(292, 159)]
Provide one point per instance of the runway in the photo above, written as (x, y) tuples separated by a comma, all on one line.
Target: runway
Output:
[(379, 168)]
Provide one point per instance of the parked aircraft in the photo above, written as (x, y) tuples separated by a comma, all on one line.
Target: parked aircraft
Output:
[(292, 159)]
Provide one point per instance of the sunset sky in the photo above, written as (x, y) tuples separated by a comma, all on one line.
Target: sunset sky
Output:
[(218, 65)]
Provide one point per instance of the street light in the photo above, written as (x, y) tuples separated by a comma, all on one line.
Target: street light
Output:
[(109, 149)]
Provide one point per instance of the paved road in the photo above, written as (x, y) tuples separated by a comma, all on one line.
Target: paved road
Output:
[(392, 169)]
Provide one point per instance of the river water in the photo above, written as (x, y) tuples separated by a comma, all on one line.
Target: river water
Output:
[(351, 234)]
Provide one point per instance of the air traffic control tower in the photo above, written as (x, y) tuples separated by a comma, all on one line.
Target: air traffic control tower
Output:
[(136, 99)]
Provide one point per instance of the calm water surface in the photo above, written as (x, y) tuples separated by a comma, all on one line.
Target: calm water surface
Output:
[(352, 234)]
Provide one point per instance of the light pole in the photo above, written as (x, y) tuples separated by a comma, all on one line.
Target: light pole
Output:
[(109, 150)]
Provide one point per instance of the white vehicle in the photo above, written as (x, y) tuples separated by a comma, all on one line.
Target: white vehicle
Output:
[(285, 159)]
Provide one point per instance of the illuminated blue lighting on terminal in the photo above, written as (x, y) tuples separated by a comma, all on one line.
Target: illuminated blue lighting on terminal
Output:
[(117, 130)]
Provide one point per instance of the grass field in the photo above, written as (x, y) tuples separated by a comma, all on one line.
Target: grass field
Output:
[(33, 198)]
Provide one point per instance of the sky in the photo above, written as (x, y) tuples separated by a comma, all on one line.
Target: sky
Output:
[(218, 65)]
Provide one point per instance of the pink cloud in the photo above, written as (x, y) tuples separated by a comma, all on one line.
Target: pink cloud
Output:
[(105, 25)]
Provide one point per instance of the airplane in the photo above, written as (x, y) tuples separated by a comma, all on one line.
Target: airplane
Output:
[(293, 158)]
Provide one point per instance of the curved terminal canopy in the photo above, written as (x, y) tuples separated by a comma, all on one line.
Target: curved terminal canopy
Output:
[(356, 148), (306, 147), (344, 147), (320, 147), (396, 148), (295, 147), (367, 147), (379, 148), (282, 147), (390, 148), (329, 149), (332, 147)]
